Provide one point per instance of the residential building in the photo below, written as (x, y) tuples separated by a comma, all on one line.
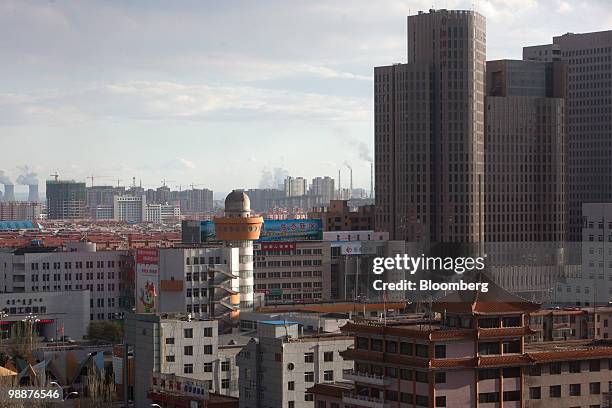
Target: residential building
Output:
[(295, 186), (161, 213), (20, 211), (263, 199), (171, 344), (102, 195), (429, 132), (560, 324), (323, 187), (278, 366), (474, 355), (65, 200), (338, 216)]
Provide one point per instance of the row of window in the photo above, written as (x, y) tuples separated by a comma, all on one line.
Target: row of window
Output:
[(77, 265), (574, 390), (279, 264)]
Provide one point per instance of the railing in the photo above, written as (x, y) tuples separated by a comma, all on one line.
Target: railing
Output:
[(363, 401), (367, 378)]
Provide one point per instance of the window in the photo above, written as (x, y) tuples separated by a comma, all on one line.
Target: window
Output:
[(309, 376), (440, 351), (291, 386), (511, 372), (422, 401), (321, 404), (574, 390), (512, 395), (308, 397), (188, 369), (391, 347), (535, 393), (554, 391), (208, 367), (594, 365), (225, 366), (440, 377), (208, 332), (208, 349), (421, 376), (170, 359), (489, 348), (422, 350), (309, 357), (362, 343), (406, 348), (406, 374), (328, 375), (487, 397), (574, 366), (488, 373), (376, 345), (188, 333), (594, 388), (535, 370), (441, 401), (555, 368), (188, 350), (328, 356), (291, 404)]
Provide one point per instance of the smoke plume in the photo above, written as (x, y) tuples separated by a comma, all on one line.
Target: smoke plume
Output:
[(27, 177), (272, 178), (4, 179)]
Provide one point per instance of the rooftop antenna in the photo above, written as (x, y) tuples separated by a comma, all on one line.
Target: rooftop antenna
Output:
[(55, 176)]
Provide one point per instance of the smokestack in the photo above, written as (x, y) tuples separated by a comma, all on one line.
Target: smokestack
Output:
[(350, 179), (351, 192), (371, 180), (9, 192), (33, 193)]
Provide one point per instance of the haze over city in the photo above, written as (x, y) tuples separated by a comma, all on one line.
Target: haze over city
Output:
[(195, 94)]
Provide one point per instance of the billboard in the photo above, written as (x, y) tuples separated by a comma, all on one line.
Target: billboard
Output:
[(292, 230), (147, 280), (276, 230)]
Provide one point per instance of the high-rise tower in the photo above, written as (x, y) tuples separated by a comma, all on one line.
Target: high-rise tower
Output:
[(429, 132), (239, 229)]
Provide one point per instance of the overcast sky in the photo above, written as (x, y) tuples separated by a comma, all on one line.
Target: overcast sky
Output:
[(219, 93)]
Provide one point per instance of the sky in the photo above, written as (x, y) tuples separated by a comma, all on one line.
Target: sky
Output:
[(219, 94)]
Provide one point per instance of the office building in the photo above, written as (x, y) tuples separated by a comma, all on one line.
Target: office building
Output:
[(293, 271), (81, 267), (278, 367), (589, 121), (65, 200), (161, 213), (130, 209), (526, 149), (592, 283), (338, 216), (429, 131), (474, 355), (544, 53)]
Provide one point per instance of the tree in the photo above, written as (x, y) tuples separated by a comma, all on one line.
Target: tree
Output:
[(105, 332)]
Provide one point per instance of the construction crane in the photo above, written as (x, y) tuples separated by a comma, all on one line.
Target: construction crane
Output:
[(92, 177), (164, 181), (55, 176)]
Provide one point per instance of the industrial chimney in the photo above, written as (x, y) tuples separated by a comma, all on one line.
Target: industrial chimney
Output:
[(33, 193), (9, 192)]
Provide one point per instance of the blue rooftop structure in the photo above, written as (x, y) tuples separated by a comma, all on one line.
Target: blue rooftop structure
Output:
[(16, 225), (278, 322)]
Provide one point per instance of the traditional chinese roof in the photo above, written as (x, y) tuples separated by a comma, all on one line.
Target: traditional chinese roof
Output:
[(495, 301), (331, 389)]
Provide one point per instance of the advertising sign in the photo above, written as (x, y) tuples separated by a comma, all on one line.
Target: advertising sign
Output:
[(147, 280), (351, 248), (207, 231), (277, 246), (292, 230)]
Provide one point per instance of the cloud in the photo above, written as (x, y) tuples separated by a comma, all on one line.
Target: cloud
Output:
[(154, 101)]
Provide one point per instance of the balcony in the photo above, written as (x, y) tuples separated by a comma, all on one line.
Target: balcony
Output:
[(367, 378), (363, 401)]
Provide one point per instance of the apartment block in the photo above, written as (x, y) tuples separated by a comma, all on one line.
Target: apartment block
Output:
[(20, 211), (65, 200), (278, 367), (475, 354), (429, 131), (293, 271)]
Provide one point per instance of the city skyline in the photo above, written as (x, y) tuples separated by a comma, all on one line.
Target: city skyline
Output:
[(164, 94)]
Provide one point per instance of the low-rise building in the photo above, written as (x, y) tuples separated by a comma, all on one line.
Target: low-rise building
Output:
[(278, 366)]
